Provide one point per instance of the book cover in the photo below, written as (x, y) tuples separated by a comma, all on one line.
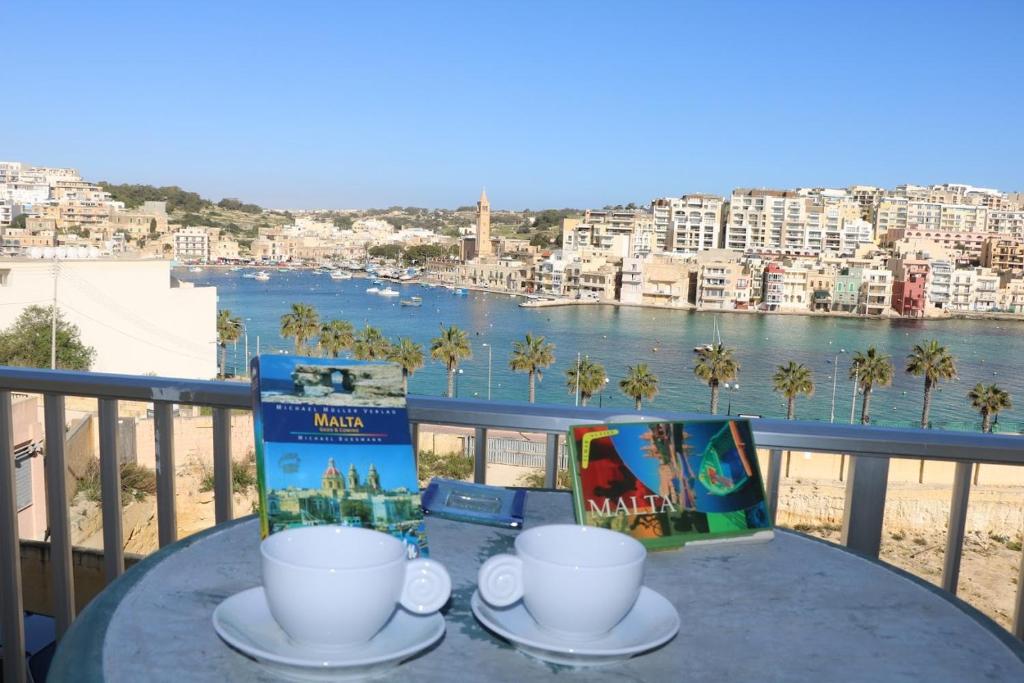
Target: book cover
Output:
[(669, 483), (333, 447)]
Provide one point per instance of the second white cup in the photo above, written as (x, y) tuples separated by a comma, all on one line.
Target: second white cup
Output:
[(576, 581), (335, 587)]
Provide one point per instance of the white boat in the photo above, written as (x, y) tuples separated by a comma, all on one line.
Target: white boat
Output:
[(262, 276), (716, 338), (340, 275), (411, 302), (373, 290), (195, 269), (387, 291)]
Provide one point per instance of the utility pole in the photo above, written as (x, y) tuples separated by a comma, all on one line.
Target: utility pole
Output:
[(53, 317), (853, 401), (577, 378)]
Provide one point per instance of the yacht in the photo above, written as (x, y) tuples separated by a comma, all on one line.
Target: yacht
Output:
[(262, 276), (195, 269), (373, 290), (411, 302), (340, 275), (387, 291)]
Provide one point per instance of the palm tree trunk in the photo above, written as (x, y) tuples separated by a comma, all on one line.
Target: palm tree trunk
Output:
[(583, 399), (925, 408), (532, 389), (637, 404), (714, 398), (790, 407), (451, 381), (865, 407), (986, 421), (223, 359), (405, 381)]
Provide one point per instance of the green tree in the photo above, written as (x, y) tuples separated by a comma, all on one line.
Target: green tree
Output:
[(19, 221), (409, 355), (457, 466), (450, 347), (714, 366), (988, 400), (301, 324), (936, 363), (791, 380), (343, 221), (229, 329), (390, 252), (531, 356), (870, 369), (592, 378), (27, 342), (639, 383), (370, 344), (336, 336)]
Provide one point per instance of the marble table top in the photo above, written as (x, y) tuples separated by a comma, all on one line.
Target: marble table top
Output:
[(793, 609)]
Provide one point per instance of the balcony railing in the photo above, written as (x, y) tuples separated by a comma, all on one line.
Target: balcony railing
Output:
[(870, 448)]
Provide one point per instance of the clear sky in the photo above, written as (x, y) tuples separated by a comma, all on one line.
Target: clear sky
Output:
[(547, 104)]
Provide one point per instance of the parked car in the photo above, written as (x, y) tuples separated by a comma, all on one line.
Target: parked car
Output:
[(40, 643)]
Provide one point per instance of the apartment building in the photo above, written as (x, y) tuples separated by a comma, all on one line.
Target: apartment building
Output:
[(821, 281), (659, 280), (687, 224), (867, 198), (795, 222), (876, 297), (939, 285), (1007, 221), (1011, 296), (613, 241), (909, 286), (723, 285), (974, 290), (192, 244), (1002, 254)]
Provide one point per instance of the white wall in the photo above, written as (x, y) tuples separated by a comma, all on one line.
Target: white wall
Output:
[(126, 310)]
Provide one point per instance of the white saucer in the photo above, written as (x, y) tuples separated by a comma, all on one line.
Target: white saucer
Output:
[(245, 623), (652, 622)]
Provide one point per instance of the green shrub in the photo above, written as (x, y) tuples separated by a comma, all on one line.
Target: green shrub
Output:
[(137, 482), (446, 465)]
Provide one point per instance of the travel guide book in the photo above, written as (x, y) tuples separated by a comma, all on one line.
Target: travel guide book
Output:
[(670, 483), (333, 447)]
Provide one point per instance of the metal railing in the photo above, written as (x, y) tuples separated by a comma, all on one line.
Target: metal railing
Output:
[(870, 449)]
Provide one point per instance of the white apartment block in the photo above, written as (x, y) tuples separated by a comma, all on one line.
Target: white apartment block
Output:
[(799, 223), (939, 286), (723, 285), (192, 244), (688, 224), (133, 313), (975, 290)]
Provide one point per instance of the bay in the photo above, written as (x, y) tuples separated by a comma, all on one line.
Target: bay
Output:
[(985, 350)]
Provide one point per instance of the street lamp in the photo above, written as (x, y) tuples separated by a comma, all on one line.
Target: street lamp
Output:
[(600, 397), (735, 386), (577, 378), (488, 370), (835, 371), (457, 375)]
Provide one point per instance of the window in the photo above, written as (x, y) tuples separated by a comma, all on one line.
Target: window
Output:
[(5, 277), (23, 475)]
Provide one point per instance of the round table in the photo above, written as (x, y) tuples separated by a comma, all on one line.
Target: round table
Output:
[(793, 609)]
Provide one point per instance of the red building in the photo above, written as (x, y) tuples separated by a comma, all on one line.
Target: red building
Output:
[(909, 287)]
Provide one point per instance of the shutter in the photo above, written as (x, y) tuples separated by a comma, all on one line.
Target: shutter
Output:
[(23, 474)]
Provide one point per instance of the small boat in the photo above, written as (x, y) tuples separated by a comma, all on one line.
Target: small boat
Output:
[(262, 276), (417, 299), (377, 281), (234, 269), (459, 292), (372, 290), (410, 302), (195, 269), (387, 291), (340, 275)]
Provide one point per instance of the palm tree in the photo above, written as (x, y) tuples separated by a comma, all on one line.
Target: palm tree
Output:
[(714, 366), (870, 369), (229, 328), (370, 344), (450, 347), (988, 400), (791, 380), (639, 383), (302, 324), (532, 355), (935, 362), (409, 355), (592, 378), (336, 336)]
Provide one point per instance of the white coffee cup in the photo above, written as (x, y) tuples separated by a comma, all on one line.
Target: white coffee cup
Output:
[(334, 587), (576, 581)]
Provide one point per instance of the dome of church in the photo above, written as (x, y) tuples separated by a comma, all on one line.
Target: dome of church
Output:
[(331, 470)]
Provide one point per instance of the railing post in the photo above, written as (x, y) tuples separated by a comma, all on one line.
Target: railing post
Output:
[(57, 513), (956, 527), (772, 485), (110, 486), (222, 479), (480, 455), (11, 623), (163, 435), (551, 461), (1018, 610), (414, 439), (866, 485)]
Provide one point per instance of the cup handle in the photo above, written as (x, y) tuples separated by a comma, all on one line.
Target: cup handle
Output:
[(500, 580), (427, 586)]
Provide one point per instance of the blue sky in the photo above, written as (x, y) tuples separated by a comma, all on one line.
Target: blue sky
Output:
[(548, 104)]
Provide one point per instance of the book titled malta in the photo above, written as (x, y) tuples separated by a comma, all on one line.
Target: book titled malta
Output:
[(333, 447), (668, 484)]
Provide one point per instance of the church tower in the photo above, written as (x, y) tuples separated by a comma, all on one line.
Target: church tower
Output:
[(353, 477), (373, 479), (483, 225), (331, 484)]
